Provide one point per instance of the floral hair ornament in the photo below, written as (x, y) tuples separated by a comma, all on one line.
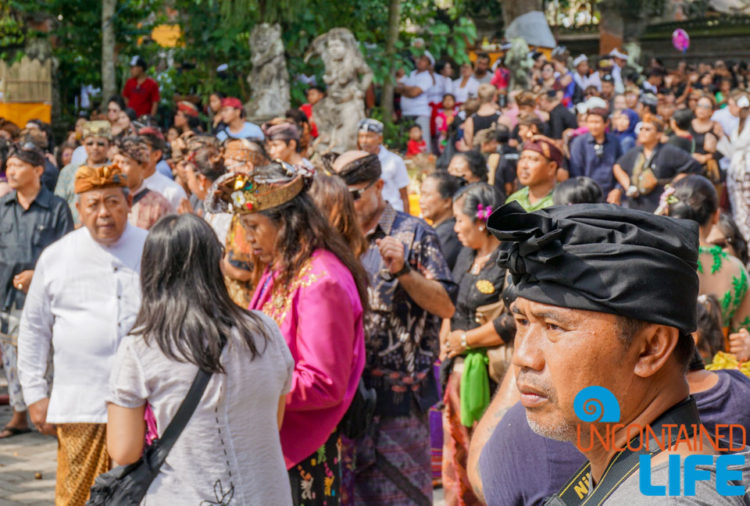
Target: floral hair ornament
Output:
[(483, 212), (240, 193), (667, 199)]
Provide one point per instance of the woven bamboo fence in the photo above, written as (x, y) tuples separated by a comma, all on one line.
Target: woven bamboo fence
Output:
[(26, 81)]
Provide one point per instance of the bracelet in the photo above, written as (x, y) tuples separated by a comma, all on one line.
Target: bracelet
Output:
[(464, 344), (387, 276), (406, 269)]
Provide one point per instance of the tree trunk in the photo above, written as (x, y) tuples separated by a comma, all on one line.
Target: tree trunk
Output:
[(394, 20), (109, 84), (514, 8), (611, 25)]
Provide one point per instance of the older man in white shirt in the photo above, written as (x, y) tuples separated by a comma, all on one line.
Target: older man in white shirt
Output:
[(83, 300), (394, 174)]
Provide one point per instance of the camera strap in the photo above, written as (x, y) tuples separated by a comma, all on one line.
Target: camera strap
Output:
[(577, 491)]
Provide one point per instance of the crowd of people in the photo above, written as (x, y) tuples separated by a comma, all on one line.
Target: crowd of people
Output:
[(591, 229)]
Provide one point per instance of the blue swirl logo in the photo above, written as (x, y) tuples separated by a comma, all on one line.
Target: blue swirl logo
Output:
[(596, 404)]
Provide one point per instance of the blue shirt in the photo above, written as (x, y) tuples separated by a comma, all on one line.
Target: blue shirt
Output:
[(163, 168), (402, 339), (587, 160), (249, 131)]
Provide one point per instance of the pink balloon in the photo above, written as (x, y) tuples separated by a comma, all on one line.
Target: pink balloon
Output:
[(680, 40)]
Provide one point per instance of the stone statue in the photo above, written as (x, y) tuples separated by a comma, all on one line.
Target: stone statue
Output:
[(634, 55), (347, 77), (269, 79), (519, 63)]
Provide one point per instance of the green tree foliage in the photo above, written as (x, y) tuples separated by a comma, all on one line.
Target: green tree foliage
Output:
[(75, 36), (217, 31), (12, 33)]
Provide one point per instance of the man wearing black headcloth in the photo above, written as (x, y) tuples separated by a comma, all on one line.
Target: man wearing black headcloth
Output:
[(410, 291), (31, 218), (606, 298)]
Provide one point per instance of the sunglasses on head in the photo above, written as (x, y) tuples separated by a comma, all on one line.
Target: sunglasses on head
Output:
[(26, 146), (357, 194)]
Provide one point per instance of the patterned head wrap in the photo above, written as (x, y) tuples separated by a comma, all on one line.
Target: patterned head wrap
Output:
[(281, 131), (370, 125), (188, 108), (241, 193), (573, 257), (546, 147), (232, 102), (94, 178), (134, 148), (97, 129)]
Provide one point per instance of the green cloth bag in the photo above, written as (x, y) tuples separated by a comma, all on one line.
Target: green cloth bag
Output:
[(475, 387)]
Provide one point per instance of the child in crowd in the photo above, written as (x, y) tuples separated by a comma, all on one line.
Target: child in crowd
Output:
[(443, 115), (416, 144)]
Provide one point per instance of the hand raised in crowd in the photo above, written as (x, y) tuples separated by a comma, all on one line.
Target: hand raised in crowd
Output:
[(22, 280), (739, 345), (38, 415), (392, 251)]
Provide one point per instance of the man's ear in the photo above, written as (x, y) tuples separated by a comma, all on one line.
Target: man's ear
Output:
[(552, 168), (656, 343)]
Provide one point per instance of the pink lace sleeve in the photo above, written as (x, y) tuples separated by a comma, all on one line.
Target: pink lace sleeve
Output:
[(151, 431)]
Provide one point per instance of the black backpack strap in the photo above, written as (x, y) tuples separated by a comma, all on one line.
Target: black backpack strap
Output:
[(183, 415)]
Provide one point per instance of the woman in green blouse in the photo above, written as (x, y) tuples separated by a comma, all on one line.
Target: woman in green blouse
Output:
[(722, 275)]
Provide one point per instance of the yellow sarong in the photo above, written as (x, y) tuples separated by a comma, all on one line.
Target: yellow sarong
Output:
[(81, 457)]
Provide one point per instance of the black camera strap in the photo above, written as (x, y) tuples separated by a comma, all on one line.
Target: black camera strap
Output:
[(182, 417), (577, 491)]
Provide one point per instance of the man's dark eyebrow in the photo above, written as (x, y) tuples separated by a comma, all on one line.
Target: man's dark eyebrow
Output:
[(542, 315)]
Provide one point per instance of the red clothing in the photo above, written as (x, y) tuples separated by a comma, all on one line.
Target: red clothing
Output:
[(141, 98), (307, 109), (413, 148), (501, 79)]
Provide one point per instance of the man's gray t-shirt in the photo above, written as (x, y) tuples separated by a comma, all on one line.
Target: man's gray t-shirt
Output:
[(629, 493)]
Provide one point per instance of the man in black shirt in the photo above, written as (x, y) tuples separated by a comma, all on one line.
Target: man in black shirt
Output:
[(645, 169), (560, 118), (31, 218)]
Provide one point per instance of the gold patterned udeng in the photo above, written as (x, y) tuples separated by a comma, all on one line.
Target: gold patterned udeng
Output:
[(485, 287), (246, 195)]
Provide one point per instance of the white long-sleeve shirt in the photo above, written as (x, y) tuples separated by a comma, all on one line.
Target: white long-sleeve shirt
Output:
[(395, 177), (173, 192), (83, 300)]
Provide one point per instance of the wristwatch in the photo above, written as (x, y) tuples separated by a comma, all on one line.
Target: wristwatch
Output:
[(392, 276)]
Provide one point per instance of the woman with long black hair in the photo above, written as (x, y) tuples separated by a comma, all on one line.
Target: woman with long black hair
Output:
[(316, 291), (230, 448)]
